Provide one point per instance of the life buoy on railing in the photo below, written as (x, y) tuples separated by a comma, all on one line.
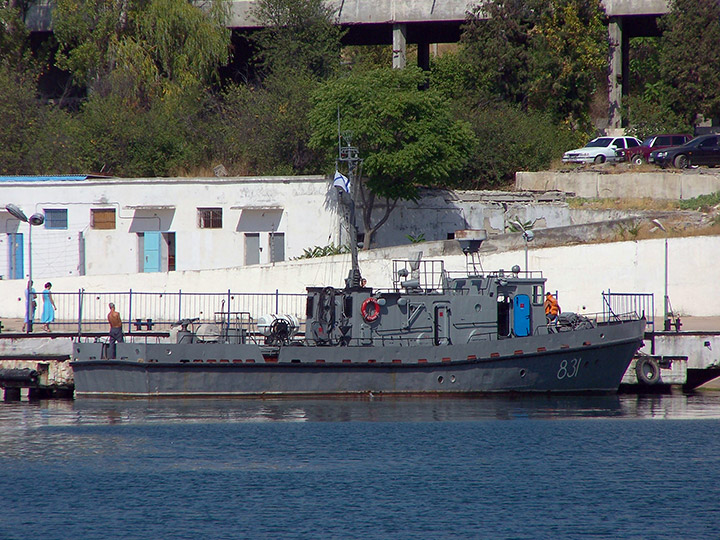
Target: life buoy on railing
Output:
[(370, 313)]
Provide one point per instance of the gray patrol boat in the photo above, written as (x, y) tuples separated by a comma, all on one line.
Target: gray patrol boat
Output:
[(432, 332)]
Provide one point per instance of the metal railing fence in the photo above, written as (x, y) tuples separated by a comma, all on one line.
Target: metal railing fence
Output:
[(87, 311), (617, 306)]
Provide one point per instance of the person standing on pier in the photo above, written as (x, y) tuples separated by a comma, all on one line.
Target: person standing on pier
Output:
[(30, 307), (116, 333), (48, 312)]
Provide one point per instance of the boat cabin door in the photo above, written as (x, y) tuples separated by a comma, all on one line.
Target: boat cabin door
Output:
[(521, 315), (442, 325)]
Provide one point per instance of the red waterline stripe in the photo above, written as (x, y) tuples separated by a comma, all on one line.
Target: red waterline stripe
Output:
[(371, 361), (472, 357), (446, 359), (271, 360), (396, 361), (347, 361), (250, 361), (542, 349), (198, 360), (586, 343), (422, 361), (237, 361), (224, 361), (319, 361), (519, 351), (495, 355)]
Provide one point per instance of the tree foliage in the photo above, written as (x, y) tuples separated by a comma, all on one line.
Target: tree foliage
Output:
[(142, 50), (408, 137), (690, 58), (299, 36), (550, 56)]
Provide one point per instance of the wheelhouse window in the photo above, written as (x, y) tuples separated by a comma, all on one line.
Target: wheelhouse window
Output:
[(102, 218), (56, 218), (210, 218)]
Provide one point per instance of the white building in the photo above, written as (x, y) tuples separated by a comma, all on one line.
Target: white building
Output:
[(97, 226), (117, 226)]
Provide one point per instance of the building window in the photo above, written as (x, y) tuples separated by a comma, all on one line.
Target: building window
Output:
[(102, 218), (210, 218), (56, 218)]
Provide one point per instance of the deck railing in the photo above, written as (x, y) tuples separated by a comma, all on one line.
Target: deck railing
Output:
[(86, 311), (619, 306)]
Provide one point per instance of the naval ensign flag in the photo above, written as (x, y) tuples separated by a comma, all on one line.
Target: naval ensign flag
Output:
[(341, 181)]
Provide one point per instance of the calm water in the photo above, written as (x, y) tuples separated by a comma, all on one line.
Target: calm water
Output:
[(557, 468)]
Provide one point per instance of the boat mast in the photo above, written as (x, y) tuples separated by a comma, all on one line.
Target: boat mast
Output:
[(350, 156)]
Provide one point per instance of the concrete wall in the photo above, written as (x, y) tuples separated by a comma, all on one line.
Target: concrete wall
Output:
[(579, 273), (658, 184)]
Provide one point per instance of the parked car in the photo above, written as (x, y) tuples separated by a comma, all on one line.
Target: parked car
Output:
[(638, 155), (703, 150), (600, 150)]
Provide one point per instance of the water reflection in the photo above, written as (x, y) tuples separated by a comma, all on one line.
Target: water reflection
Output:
[(16, 418)]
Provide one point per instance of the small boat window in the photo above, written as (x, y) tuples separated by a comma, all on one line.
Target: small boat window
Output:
[(347, 306), (309, 306), (538, 294)]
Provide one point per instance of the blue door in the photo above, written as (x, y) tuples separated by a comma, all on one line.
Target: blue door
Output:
[(521, 317), (15, 256), (151, 252)]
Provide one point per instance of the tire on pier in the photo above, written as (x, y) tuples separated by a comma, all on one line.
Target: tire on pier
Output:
[(647, 370)]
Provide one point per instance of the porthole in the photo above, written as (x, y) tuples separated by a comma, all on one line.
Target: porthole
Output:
[(452, 378), (440, 379), (522, 373)]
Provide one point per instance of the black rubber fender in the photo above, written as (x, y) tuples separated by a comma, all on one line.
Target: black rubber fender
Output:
[(647, 370)]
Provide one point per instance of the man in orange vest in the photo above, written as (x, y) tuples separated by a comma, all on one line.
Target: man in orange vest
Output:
[(552, 309)]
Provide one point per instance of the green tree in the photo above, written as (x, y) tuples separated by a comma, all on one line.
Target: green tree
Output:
[(408, 137), (497, 45), (570, 60), (141, 50), (690, 58), (299, 36), (550, 56), (264, 129)]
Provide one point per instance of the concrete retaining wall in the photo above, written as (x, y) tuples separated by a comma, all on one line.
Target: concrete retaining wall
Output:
[(580, 273), (658, 184)]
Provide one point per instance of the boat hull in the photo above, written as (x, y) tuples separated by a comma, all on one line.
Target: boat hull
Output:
[(592, 360)]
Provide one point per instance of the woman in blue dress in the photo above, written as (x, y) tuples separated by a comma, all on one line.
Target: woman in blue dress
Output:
[(48, 312)]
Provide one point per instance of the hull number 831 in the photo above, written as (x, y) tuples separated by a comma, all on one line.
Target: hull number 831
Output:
[(568, 369)]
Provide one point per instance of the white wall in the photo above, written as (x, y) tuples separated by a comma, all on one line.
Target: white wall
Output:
[(299, 207), (579, 273)]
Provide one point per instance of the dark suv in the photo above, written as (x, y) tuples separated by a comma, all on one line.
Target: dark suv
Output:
[(639, 154)]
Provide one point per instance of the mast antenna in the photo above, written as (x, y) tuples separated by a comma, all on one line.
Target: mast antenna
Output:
[(350, 157)]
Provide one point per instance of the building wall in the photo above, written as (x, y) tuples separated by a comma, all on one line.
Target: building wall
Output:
[(299, 214)]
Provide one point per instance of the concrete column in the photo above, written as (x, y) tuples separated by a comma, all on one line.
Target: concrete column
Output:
[(615, 75), (399, 46)]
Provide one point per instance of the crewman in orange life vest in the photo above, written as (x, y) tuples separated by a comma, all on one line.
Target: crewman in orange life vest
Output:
[(552, 309)]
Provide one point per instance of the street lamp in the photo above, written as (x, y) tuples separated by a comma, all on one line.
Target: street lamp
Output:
[(528, 235), (35, 219), (666, 320)]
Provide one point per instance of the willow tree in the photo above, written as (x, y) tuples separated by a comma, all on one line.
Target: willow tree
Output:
[(407, 137), (141, 49)]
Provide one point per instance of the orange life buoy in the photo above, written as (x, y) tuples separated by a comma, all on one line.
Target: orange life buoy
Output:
[(368, 315)]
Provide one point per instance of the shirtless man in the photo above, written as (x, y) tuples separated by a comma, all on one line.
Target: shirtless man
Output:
[(116, 334)]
